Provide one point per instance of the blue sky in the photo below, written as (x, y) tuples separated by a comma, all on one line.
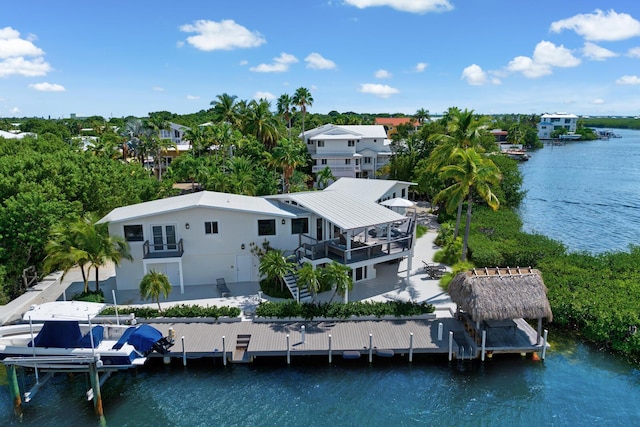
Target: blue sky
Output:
[(120, 58)]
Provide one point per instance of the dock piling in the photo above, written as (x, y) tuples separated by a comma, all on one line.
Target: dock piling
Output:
[(450, 345), (95, 386), (288, 351), (544, 343), (14, 389), (484, 342), (302, 333), (224, 351), (184, 353), (370, 348), (329, 348), (440, 329), (411, 347)]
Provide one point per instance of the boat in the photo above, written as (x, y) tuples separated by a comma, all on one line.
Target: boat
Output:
[(520, 155), (55, 340), (571, 136)]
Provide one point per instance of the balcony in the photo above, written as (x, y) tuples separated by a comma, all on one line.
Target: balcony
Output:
[(167, 250)]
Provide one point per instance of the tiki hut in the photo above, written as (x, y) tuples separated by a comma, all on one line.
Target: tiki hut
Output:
[(501, 294)]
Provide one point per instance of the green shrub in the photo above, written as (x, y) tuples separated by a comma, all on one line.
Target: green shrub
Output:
[(183, 310), (337, 310), (89, 296), (274, 289)]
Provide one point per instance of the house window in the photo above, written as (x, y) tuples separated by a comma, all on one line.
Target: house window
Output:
[(367, 160), (323, 161), (309, 141), (211, 227), (351, 143), (320, 143), (300, 226), (404, 193), (266, 227), (347, 161), (133, 233)]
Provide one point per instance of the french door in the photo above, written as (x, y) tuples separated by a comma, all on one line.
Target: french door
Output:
[(164, 238)]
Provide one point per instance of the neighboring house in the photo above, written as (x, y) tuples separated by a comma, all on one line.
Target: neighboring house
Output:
[(176, 134), (372, 190), (354, 151), (15, 135), (200, 237), (550, 122), (391, 124), (500, 135)]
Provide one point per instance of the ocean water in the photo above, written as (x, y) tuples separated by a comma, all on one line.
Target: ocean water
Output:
[(585, 194)]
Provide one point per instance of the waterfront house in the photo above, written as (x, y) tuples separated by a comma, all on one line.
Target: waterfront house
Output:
[(551, 122), (391, 124), (356, 151), (197, 238)]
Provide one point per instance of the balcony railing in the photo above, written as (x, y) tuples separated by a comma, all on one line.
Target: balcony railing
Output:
[(170, 250), (374, 248)]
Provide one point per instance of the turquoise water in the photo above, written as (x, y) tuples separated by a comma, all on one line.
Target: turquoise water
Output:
[(584, 194)]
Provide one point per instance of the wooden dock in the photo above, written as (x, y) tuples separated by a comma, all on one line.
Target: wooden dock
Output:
[(242, 342)]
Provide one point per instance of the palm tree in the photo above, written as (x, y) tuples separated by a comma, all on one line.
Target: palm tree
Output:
[(153, 285), (241, 174), (302, 98), (464, 130), (471, 173), (261, 123), (284, 108), (340, 276), (225, 109), (324, 177), (421, 115), (309, 277), (63, 253), (274, 266), (287, 155)]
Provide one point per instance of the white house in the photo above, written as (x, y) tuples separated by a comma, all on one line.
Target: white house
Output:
[(15, 135), (372, 190), (355, 151), (550, 122), (200, 237)]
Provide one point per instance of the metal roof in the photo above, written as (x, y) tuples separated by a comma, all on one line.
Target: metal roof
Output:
[(366, 189), (204, 199), (343, 210)]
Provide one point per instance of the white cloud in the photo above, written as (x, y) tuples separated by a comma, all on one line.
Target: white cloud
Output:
[(244, 62), (157, 89), (25, 67), (634, 52), (223, 35), (420, 67), (597, 53), (315, 61), (193, 97), (383, 74), (598, 101), (545, 56), (382, 91), (412, 6), (47, 87), (279, 65), (600, 25), (264, 95), (14, 50), (628, 80), (474, 75), (15, 110)]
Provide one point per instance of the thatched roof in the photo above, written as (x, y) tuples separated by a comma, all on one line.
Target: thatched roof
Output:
[(501, 293)]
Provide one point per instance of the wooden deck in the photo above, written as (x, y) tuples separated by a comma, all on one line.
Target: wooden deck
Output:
[(246, 340)]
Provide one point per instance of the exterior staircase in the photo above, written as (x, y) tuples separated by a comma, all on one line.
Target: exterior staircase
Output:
[(300, 294)]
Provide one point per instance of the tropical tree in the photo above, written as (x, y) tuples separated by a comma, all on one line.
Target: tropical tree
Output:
[(309, 277), (225, 109), (421, 115), (241, 175), (261, 123), (274, 266), (324, 177), (464, 130), (154, 284), (471, 173), (287, 155), (63, 252), (302, 98), (284, 104), (340, 276)]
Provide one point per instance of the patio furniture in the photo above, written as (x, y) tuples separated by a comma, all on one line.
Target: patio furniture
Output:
[(434, 271), (222, 288)]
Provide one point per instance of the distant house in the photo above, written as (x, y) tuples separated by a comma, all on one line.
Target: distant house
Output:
[(197, 238), (372, 190), (551, 122), (391, 124), (176, 134), (354, 151), (15, 135)]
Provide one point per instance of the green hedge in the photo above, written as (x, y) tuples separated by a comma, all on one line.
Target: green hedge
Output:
[(182, 310), (338, 310)]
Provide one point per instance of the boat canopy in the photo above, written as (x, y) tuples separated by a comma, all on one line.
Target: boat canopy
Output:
[(58, 334), (144, 337)]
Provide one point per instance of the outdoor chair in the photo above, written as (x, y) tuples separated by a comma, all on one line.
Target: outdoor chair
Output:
[(222, 288)]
